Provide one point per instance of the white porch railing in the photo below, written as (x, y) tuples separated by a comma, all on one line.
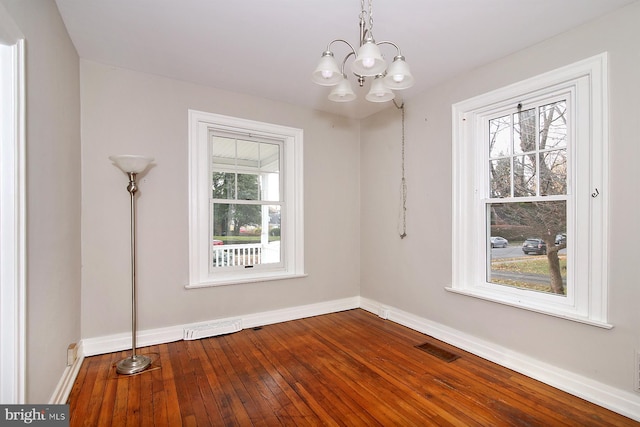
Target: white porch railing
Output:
[(229, 255), (245, 254)]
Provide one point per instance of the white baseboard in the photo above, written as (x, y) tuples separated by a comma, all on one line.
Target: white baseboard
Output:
[(119, 342), (617, 400), (63, 389), (620, 401)]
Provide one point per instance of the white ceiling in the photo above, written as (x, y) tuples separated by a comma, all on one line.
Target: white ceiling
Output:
[(270, 48)]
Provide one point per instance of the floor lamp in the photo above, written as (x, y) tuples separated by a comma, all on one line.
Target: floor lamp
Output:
[(132, 166)]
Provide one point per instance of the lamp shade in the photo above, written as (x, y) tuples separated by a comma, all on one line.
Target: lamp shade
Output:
[(369, 60), (327, 73), (398, 74), (379, 92), (342, 92), (130, 163)]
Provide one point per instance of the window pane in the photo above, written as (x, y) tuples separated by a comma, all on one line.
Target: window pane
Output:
[(269, 157), (245, 235), (553, 173), (229, 219), (553, 125), (499, 137), (223, 185), (248, 154), (271, 252), (271, 186), (534, 256), (524, 131), (248, 187), (524, 176), (500, 175), (223, 151), (270, 171), (265, 186)]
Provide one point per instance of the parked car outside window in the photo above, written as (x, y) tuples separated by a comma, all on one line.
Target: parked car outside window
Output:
[(499, 242), (534, 246), (561, 239)]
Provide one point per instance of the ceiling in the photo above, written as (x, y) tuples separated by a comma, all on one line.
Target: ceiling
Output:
[(270, 48)]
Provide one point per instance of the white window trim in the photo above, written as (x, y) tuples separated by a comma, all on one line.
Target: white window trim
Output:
[(200, 126), (586, 82), (13, 225)]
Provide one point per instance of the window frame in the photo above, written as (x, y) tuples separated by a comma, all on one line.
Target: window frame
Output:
[(13, 244), (201, 126), (585, 84)]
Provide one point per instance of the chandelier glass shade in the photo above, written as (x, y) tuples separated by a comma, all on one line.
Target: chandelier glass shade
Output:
[(368, 62), (327, 72), (379, 91), (398, 75), (342, 92)]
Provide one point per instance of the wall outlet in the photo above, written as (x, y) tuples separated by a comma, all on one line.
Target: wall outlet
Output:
[(72, 354)]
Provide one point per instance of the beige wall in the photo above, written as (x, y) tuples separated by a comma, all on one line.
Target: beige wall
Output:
[(53, 193), (125, 112), (417, 269)]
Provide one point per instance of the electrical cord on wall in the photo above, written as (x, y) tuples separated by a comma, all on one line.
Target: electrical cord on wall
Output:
[(402, 226)]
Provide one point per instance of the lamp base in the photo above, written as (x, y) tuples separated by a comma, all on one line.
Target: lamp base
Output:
[(133, 365)]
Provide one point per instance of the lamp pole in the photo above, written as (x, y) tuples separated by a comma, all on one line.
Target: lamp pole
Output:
[(132, 165)]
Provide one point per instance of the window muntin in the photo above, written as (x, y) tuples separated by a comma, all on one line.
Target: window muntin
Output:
[(569, 169)]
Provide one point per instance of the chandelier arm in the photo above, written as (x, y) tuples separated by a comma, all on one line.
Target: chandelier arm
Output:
[(344, 62), (343, 41), (392, 44)]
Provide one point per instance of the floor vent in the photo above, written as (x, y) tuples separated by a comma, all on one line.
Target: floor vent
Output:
[(212, 329), (438, 352)]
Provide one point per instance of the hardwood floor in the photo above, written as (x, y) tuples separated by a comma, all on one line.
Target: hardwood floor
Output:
[(350, 368)]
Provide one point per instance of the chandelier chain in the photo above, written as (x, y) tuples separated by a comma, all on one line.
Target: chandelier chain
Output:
[(364, 13)]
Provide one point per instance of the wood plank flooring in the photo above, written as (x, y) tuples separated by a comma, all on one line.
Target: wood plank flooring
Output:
[(343, 369)]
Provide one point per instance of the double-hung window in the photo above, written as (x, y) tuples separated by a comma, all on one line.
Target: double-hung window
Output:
[(245, 201), (530, 194)]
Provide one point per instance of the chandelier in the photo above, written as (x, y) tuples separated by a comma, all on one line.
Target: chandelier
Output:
[(368, 63)]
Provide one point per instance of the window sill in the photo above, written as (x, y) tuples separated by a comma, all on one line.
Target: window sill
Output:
[(241, 280), (537, 309)]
